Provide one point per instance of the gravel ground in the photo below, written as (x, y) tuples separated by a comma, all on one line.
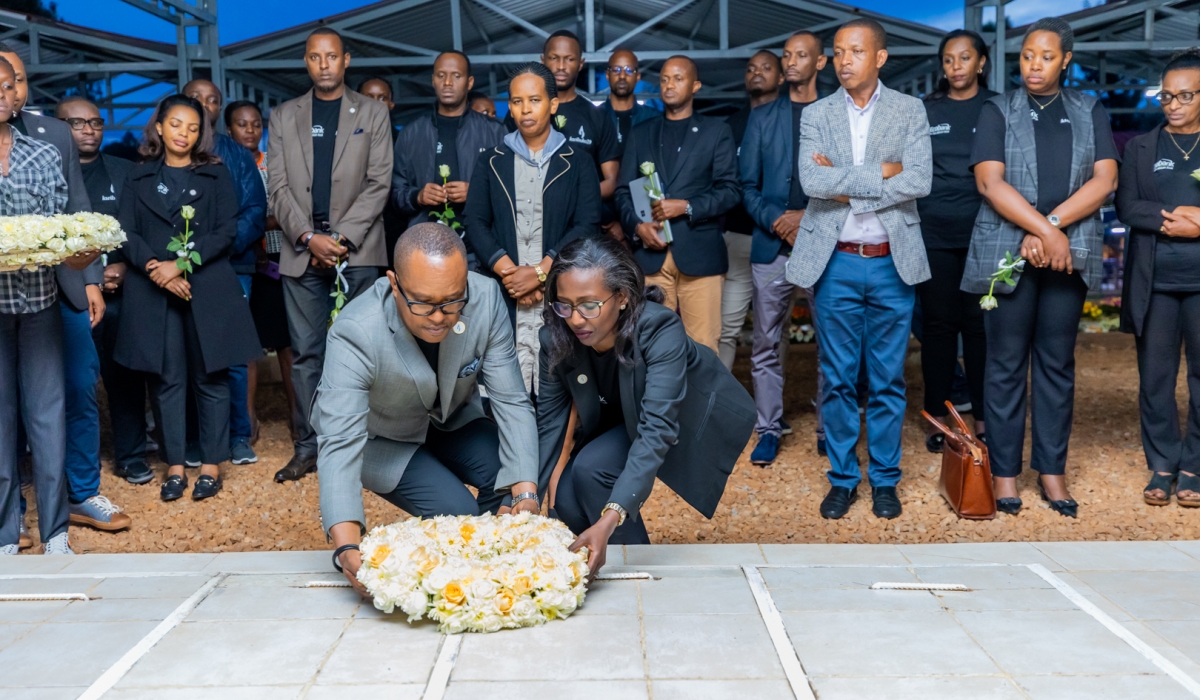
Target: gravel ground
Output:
[(1106, 469)]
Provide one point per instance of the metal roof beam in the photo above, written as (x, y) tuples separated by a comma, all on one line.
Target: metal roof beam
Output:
[(92, 41), (771, 41), (512, 18), (893, 29), (182, 10), (298, 36), (387, 43), (682, 4), (114, 67)]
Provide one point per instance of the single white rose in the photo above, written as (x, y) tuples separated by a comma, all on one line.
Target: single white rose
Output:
[(56, 244), (988, 302), (443, 171), (647, 168)]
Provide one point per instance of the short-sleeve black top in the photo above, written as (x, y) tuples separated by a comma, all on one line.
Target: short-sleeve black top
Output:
[(1177, 260), (948, 213)]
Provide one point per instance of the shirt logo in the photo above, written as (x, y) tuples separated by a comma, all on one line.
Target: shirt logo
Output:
[(582, 138), (162, 188), (439, 147), (1064, 120), (318, 131), (939, 130), (1164, 164), (1033, 115)]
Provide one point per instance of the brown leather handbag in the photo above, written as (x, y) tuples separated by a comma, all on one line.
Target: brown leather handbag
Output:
[(966, 479)]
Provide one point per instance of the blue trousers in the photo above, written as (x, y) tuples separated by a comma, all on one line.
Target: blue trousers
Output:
[(864, 312), (239, 412), (81, 363)]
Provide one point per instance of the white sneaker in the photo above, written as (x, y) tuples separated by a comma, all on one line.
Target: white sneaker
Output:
[(58, 545), (8, 549)]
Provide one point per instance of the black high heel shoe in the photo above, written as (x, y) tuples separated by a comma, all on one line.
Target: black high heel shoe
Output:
[(1067, 507), (1012, 506)]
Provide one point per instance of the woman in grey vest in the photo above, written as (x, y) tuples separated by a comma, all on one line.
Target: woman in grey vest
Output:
[(1045, 161), (1160, 303)]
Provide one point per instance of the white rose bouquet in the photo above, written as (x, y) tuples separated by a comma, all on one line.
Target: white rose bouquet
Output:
[(33, 240), (475, 573)]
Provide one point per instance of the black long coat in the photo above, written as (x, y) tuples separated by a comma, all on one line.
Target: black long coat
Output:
[(687, 417), (219, 307), (1139, 206)]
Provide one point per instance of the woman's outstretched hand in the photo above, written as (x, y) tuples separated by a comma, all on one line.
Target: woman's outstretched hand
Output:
[(595, 538)]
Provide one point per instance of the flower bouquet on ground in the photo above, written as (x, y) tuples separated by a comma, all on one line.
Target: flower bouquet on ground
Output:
[(32, 240), (475, 573)]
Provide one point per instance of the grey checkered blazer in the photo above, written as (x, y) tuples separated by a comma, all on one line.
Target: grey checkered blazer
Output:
[(899, 134)]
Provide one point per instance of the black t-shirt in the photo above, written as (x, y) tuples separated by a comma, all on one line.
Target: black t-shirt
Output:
[(587, 129), (738, 220), (624, 124), (99, 185), (608, 385), (430, 351), (674, 131), (446, 149), (1176, 260), (796, 197), (948, 213), (1052, 137), (172, 183), (325, 115)]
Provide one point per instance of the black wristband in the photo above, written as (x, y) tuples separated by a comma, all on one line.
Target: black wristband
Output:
[(337, 553)]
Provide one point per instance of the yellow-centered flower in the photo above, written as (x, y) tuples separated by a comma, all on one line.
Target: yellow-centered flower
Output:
[(380, 555), (453, 592)]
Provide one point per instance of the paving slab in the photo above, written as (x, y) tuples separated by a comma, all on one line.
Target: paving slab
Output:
[(977, 552), (709, 646), (1158, 687), (600, 647), (927, 688), (382, 652), (289, 692), (834, 554), (1149, 595), (72, 654), (548, 690), (693, 554), (1119, 556)]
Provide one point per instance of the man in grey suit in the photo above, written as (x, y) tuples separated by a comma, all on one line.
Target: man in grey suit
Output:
[(864, 161), (398, 408)]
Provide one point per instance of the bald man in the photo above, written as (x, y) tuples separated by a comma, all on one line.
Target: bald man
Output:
[(696, 160), (252, 215)]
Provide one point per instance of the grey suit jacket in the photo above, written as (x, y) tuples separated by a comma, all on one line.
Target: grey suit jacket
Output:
[(56, 133), (899, 134), (362, 177), (375, 401)]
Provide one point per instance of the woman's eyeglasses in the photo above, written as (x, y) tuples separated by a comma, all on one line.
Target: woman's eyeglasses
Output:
[(586, 309), (627, 70), (76, 123), (1185, 98), (422, 308)]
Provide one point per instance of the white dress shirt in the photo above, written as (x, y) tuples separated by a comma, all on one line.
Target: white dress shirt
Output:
[(862, 228)]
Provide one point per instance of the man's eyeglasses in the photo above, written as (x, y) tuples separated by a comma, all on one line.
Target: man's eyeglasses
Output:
[(1185, 98), (627, 70), (422, 308), (76, 123), (587, 309)]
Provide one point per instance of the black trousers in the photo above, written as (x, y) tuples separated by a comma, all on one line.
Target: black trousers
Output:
[(436, 478), (1172, 322), (183, 365), (586, 485), (948, 312), (1032, 334), (125, 388)]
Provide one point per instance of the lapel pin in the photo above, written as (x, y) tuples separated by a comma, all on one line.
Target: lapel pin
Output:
[(459, 328), (582, 379), (352, 110), (192, 192), (695, 129), (41, 129)]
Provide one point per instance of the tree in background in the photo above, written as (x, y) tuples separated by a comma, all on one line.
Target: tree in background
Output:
[(31, 7)]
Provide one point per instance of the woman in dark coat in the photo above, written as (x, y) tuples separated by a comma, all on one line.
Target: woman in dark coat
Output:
[(627, 396), (1160, 201), (527, 199), (184, 329)]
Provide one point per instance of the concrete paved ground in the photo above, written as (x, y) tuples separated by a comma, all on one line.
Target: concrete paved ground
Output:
[(1041, 621)]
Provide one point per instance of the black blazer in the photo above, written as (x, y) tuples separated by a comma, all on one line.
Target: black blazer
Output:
[(705, 174), (686, 415), (219, 307), (1139, 207), (570, 205)]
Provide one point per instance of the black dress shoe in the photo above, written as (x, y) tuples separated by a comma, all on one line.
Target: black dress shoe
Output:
[(173, 487), (837, 502), (884, 502), (1012, 506), (935, 443), (1067, 507), (206, 487), (296, 468)]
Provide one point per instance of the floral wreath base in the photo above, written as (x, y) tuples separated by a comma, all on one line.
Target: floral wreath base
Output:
[(475, 573)]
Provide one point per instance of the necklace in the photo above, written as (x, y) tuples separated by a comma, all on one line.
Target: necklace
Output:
[(1044, 106), (1188, 152)]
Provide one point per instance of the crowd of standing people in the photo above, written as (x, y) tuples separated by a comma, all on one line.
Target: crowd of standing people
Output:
[(590, 268)]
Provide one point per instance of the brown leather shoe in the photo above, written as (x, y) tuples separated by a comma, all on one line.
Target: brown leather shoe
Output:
[(296, 468)]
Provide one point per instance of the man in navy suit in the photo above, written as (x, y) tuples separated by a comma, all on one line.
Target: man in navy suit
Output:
[(695, 157), (776, 202)]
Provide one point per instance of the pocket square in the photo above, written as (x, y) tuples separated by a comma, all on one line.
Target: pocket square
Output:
[(469, 369), (357, 132)]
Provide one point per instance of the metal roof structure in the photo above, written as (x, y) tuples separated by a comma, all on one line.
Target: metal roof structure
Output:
[(398, 40)]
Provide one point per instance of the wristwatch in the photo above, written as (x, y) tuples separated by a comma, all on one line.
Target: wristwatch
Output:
[(1054, 220), (307, 237), (616, 508), (526, 496), (541, 275), (688, 211)]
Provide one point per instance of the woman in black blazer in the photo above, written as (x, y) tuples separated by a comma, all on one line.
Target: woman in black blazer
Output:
[(626, 397), (1160, 201), (183, 329), (529, 197)]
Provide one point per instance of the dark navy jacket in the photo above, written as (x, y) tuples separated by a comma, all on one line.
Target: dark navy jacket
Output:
[(641, 113), (252, 201), (767, 166)]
